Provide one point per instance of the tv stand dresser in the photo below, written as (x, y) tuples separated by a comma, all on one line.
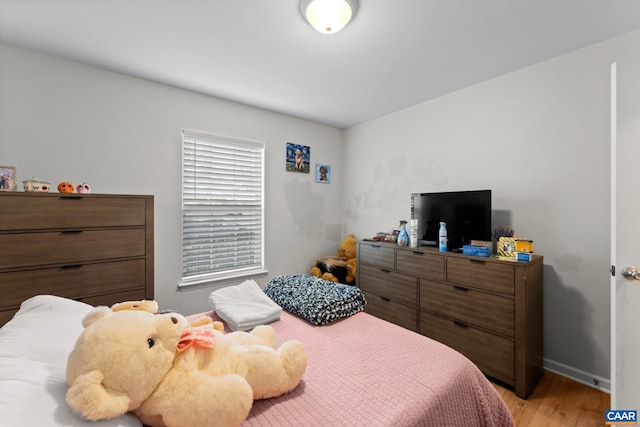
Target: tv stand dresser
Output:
[(487, 308)]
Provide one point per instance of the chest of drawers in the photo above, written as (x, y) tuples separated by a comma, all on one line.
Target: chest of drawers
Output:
[(95, 248), (489, 309)]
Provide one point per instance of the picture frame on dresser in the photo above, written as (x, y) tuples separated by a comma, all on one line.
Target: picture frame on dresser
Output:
[(8, 178)]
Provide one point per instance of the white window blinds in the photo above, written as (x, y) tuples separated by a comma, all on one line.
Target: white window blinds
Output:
[(222, 207)]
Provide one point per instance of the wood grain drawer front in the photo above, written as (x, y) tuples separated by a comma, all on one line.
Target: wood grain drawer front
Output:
[(45, 212), (481, 274), (378, 255), (110, 299), (420, 264), (389, 284), (392, 311), (493, 354), (493, 312), (31, 249), (72, 282)]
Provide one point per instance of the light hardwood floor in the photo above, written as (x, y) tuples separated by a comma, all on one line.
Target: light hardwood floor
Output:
[(557, 401)]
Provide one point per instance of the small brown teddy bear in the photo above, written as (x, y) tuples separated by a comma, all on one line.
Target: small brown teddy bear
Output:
[(340, 267)]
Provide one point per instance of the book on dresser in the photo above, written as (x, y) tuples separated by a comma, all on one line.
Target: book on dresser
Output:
[(95, 248), (487, 308)]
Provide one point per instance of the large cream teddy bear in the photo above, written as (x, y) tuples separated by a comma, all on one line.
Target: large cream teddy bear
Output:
[(171, 374)]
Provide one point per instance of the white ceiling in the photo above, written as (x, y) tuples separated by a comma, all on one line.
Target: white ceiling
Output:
[(394, 54)]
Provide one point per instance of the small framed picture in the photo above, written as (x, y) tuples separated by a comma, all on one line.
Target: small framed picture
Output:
[(323, 174), (8, 180), (507, 247), (298, 157)]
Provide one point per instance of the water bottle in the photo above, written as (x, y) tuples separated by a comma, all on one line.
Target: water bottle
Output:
[(442, 237), (413, 234), (403, 236)]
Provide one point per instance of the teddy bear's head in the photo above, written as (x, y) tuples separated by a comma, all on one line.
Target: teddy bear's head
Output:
[(348, 247), (119, 359), (143, 305)]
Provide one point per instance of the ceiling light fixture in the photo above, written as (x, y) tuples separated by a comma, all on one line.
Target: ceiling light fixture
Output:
[(328, 16)]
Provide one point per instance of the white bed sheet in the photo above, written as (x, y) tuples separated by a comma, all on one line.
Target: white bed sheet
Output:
[(34, 347)]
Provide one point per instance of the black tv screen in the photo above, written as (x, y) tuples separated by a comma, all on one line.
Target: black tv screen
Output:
[(467, 214)]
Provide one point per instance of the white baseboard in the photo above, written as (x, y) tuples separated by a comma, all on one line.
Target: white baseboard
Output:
[(586, 378)]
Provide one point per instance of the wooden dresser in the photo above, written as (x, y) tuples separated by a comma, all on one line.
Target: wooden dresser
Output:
[(96, 248), (489, 309)]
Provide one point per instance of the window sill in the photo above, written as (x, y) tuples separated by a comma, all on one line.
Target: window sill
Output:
[(218, 278)]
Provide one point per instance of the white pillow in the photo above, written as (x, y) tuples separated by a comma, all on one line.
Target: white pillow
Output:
[(45, 329), (34, 347)]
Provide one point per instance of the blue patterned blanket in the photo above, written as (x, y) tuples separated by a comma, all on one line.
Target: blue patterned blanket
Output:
[(317, 300)]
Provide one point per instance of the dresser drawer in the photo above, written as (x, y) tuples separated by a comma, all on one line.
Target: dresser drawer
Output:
[(27, 212), (30, 249), (493, 354), (377, 255), (389, 284), (72, 282), (392, 311), (110, 299), (492, 312), (490, 276), (420, 264)]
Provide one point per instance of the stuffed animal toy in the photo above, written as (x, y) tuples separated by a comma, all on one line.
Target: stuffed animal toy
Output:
[(340, 267), (171, 374)]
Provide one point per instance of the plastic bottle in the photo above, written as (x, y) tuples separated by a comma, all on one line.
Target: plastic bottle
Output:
[(413, 234), (442, 237), (403, 236)]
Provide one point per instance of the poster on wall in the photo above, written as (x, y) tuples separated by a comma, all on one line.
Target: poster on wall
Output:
[(8, 180), (298, 157), (323, 174)]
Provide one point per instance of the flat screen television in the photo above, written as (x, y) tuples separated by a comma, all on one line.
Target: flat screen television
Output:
[(466, 213)]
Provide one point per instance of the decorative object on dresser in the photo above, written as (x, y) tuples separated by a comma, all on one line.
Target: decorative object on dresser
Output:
[(95, 248), (8, 178), (489, 309)]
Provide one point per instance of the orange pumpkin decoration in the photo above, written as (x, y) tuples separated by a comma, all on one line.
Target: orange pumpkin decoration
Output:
[(66, 187)]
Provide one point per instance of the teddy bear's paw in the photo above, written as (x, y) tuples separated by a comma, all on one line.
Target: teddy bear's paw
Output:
[(266, 334), (315, 271), (294, 361), (329, 276)]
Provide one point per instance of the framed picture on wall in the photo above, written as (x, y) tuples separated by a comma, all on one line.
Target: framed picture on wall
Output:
[(8, 180), (298, 157), (323, 174)]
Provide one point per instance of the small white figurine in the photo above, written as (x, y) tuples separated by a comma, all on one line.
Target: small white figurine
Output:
[(83, 188)]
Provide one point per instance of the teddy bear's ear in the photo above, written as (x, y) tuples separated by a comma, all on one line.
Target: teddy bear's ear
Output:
[(95, 314), (89, 398)]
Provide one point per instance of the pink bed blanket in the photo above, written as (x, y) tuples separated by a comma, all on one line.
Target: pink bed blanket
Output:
[(363, 371)]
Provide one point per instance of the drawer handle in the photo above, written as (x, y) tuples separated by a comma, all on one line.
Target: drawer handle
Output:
[(385, 299), (477, 261), (460, 288), (417, 253), (376, 246), (71, 197), (71, 231), (71, 267), (460, 324), (384, 270)]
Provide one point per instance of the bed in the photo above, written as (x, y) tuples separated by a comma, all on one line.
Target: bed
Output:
[(362, 371)]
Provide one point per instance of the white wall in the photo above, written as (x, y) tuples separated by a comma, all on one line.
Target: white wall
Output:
[(539, 138), (62, 121)]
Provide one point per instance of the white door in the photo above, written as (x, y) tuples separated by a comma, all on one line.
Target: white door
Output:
[(625, 234)]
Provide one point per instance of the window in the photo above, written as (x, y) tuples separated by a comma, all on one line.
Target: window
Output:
[(222, 208)]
